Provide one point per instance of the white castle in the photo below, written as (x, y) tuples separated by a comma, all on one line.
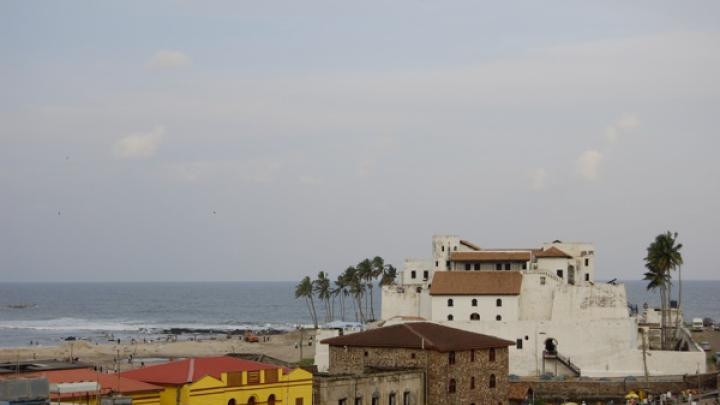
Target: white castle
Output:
[(544, 299)]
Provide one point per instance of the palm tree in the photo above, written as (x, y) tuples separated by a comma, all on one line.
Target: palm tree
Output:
[(321, 287), (389, 275), (305, 290), (658, 280), (340, 290), (365, 274), (377, 265), (357, 290), (664, 255)]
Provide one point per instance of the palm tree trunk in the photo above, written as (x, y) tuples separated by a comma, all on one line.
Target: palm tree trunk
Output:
[(679, 303), (342, 306), (307, 302), (314, 312), (372, 309), (669, 314), (663, 317)]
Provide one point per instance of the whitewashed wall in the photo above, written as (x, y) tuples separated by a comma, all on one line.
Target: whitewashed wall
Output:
[(486, 307)]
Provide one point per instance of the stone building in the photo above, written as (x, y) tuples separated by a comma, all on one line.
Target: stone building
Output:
[(406, 387), (459, 367)]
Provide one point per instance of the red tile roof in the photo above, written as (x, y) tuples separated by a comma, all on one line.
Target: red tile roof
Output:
[(192, 369), (419, 335), (108, 382), (552, 252), (490, 256), (476, 283)]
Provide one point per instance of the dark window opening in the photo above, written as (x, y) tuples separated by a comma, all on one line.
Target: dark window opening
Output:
[(365, 354), (491, 354), (474, 316), (358, 401), (473, 302), (442, 248), (426, 274), (507, 266), (450, 317), (498, 302), (450, 302), (391, 399), (498, 266), (451, 386), (472, 355), (472, 383), (524, 266), (467, 266), (498, 318), (455, 248), (560, 273), (477, 266), (406, 398), (492, 381), (413, 274), (518, 343), (342, 401), (447, 264), (418, 290), (587, 262), (451, 358), (587, 277), (271, 399)]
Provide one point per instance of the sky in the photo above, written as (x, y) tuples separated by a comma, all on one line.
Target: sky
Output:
[(249, 141)]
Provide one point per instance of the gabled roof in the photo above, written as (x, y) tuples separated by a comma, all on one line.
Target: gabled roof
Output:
[(476, 283), (470, 244), (552, 252), (419, 335), (192, 369), (108, 382), (490, 256)]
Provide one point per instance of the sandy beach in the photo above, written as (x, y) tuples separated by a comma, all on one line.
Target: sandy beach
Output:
[(281, 346)]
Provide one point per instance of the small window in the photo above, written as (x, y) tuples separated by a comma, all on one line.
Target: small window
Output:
[(299, 401), (447, 264), (472, 355), (358, 401), (560, 273), (491, 354), (467, 266), (271, 399), (587, 262), (413, 274), (231, 401), (518, 343), (391, 399), (587, 276), (412, 355), (426, 273), (451, 358), (472, 383), (436, 263), (477, 266), (498, 302), (524, 266), (442, 248), (542, 280), (451, 386), (342, 401), (450, 302), (406, 398), (473, 302), (498, 266), (365, 353), (492, 381), (507, 266), (375, 401), (418, 290), (450, 317), (455, 248), (498, 318), (474, 316)]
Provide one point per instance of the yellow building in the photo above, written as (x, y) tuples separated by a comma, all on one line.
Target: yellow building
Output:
[(226, 381)]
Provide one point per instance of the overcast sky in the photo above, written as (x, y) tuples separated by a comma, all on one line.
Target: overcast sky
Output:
[(257, 140)]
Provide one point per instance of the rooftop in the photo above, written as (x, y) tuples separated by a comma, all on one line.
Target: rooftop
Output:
[(552, 252), (192, 369), (476, 283), (419, 335), (108, 382)]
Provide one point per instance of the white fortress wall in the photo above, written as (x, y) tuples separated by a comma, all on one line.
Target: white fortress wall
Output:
[(405, 301), (486, 308)]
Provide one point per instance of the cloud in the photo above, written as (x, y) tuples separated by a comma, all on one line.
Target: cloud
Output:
[(139, 145), (588, 164), (623, 125), (538, 178), (168, 59)]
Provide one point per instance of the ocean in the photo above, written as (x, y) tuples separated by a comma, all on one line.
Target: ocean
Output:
[(47, 313)]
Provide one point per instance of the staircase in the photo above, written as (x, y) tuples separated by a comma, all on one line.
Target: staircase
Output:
[(565, 361)]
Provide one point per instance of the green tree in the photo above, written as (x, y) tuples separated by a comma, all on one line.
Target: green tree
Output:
[(389, 275), (321, 287), (356, 287), (304, 289), (658, 280), (340, 290), (664, 255), (365, 276)]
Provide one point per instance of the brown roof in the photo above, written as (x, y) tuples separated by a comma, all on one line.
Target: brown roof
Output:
[(552, 252), (476, 283), (490, 256), (419, 335), (470, 245)]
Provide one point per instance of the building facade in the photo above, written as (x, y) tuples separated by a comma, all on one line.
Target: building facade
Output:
[(226, 381), (406, 387), (459, 367)]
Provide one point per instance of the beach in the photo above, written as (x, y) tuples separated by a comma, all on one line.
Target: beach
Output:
[(280, 346)]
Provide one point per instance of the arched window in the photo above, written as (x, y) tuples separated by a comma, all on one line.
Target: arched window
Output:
[(474, 316), (491, 354), (450, 317), (473, 302), (451, 302), (498, 302), (271, 399), (251, 401), (492, 381), (419, 290), (472, 383), (231, 401), (498, 318), (451, 386), (413, 274)]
